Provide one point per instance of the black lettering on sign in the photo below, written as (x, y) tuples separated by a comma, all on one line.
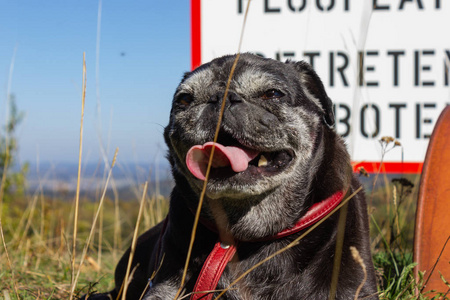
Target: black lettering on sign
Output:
[(321, 7), (345, 120), (340, 68), (418, 68), (385, 4), (298, 5), (269, 9), (397, 107), (299, 8), (402, 3), (418, 117), (329, 5), (420, 121), (377, 6), (427, 120), (395, 56), (363, 68), (371, 68), (311, 56), (376, 114), (425, 63)]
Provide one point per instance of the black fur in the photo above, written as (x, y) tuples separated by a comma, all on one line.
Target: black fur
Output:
[(254, 204)]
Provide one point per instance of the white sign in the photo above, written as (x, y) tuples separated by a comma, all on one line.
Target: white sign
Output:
[(384, 63)]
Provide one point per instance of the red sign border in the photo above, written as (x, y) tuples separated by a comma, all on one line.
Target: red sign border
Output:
[(369, 166), (196, 34), (389, 167)]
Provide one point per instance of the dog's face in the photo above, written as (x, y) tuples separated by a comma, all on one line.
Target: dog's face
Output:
[(273, 115)]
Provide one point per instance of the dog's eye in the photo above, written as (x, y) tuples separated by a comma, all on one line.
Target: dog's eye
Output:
[(185, 99), (272, 94)]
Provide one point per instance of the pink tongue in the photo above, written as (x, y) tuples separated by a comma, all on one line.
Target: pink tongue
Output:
[(197, 158)]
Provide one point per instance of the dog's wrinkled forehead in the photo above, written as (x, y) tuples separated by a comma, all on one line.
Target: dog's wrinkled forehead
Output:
[(196, 80), (252, 75), (253, 81)]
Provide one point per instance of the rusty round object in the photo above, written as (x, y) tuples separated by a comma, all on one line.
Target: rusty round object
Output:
[(433, 209)]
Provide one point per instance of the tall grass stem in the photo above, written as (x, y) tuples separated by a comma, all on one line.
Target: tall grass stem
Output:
[(219, 121), (9, 260), (133, 243), (91, 233), (338, 252), (77, 196)]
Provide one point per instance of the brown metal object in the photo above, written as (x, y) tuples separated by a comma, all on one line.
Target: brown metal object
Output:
[(433, 209)]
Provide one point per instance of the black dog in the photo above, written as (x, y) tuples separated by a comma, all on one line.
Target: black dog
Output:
[(277, 160)]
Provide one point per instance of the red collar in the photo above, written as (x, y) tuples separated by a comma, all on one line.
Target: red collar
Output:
[(219, 257)]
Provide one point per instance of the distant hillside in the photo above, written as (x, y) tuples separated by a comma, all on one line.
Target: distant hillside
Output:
[(60, 179)]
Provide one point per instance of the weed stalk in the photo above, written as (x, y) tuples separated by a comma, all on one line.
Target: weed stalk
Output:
[(77, 197), (219, 121), (133, 243)]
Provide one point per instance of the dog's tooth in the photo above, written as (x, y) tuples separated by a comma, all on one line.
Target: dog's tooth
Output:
[(262, 161)]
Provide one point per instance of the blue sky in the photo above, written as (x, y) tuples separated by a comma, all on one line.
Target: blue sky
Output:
[(144, 51)]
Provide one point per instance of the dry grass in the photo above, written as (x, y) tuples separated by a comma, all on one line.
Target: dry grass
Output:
[(37, 239), (39, 264), (77, 197), (37, 261), (133, 243)]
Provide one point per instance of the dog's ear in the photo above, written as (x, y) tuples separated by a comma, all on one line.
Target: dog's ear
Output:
[(311, 81)]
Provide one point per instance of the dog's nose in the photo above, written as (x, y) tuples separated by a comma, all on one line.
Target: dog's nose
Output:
[(232, 97)]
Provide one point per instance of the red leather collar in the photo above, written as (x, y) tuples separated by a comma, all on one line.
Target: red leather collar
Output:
[(212, 270), (219, 257)]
